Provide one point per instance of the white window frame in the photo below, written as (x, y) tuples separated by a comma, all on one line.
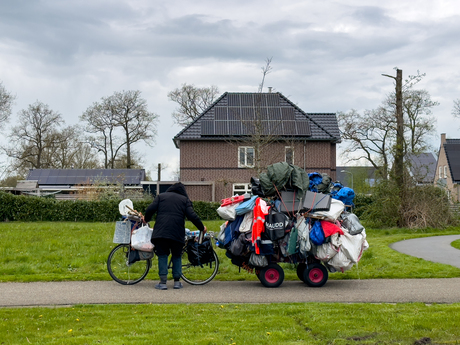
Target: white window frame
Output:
[(440, 172), (445, 171), (243, 150), (286, 148), (241, 188)]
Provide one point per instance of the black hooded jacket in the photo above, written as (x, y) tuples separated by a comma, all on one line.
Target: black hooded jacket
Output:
[(172, 207)]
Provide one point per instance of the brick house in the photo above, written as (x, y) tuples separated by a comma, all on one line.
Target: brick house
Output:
[(241, 133), (448, 167)]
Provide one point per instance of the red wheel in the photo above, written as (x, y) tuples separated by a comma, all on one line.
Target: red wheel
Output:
[(271, 275), (315, 275)]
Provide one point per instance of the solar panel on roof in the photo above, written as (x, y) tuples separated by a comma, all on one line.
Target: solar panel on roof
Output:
[(247, 100), (234, 114), (274, 114), (273, 100), (303, 128), (207, 127), (235, 128), (287, 114), (233, 100), (220, 113), (289, 127), (221, 128)]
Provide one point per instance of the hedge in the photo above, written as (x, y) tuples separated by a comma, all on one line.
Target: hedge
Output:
[(31, 209)]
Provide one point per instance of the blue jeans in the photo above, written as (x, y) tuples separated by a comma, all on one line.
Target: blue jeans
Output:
[(163, 247)]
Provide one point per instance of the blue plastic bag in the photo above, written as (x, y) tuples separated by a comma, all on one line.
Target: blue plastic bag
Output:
[(317, 234)]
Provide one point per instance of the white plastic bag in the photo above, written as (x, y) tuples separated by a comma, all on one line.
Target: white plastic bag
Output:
[(141, 239), (227, 212), (328, 250), (340, 262), (352, 246), (303, 236), (246, 224), (334, 212)]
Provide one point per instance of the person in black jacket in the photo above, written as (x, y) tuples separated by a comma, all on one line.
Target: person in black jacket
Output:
[(171, 207)]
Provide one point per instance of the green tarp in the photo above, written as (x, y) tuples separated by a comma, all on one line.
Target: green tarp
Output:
[(283, 176)]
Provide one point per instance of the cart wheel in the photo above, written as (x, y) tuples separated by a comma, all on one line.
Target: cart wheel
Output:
[(271, 275), (315, 275), (300, 270)]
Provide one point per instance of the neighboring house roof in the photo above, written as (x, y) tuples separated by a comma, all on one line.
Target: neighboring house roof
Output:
[(452, 150), (71, 177), (423, 167), (233, 115)]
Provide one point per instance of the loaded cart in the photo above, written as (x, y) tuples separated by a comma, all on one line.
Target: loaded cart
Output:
[(306, 223)]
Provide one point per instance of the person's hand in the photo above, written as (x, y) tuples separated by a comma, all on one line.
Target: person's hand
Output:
[(205, 229)]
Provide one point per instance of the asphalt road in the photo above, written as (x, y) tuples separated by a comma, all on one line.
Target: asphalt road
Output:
[(436, 249)]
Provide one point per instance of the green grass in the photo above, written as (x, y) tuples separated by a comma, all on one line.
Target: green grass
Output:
[(289, 323), (456, 244), (78, 251), (47, 251)]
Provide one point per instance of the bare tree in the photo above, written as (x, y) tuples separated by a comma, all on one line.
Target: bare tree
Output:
[(117, 123), (192, 102), (67, 151), (101, 124), (6, 103), (372, 135), (132, 116), (31, 141), (456, 108)]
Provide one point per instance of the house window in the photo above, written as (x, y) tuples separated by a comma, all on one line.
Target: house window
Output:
[(241, 188), (445, 171), (289, 154), (245, 157), (440, 172)]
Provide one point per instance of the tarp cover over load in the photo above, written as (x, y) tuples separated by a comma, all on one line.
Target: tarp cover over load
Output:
[(283, 175)]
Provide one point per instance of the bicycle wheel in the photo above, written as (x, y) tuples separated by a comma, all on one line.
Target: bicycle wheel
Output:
[(123, 272), (199, 274)]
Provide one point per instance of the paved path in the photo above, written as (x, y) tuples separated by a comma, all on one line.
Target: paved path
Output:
[(436, 249), (345, 291)]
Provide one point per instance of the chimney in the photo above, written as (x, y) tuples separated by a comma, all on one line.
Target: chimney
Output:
[(270, 89), (443, 138)]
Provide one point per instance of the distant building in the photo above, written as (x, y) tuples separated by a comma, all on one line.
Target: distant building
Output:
[(422, 167), (65, 183), (448, 167), (217, 154)]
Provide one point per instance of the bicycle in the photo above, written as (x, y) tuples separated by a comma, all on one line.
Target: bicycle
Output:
[(126, 268)]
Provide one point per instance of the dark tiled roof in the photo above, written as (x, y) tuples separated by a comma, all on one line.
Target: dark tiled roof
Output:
[(233, 115), (452, 149), (423, 167), (73, 177)]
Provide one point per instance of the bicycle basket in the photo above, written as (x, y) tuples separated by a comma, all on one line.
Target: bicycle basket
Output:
[(122, 232), (199, 254)]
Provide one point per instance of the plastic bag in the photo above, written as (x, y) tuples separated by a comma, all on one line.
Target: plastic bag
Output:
[(141, 239), (258, 260), (334, 212), (351, 223), (227, 212), (328, 250), (352, 246), (303, 236)]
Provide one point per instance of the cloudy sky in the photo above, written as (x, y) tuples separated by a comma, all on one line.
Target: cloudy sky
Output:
[(328, 56)]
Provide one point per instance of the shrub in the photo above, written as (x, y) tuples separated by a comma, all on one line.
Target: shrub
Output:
[(32, 208)]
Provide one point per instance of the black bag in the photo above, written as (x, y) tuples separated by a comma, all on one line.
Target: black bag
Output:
[(240, 246), (199, 254), (276, 224)]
